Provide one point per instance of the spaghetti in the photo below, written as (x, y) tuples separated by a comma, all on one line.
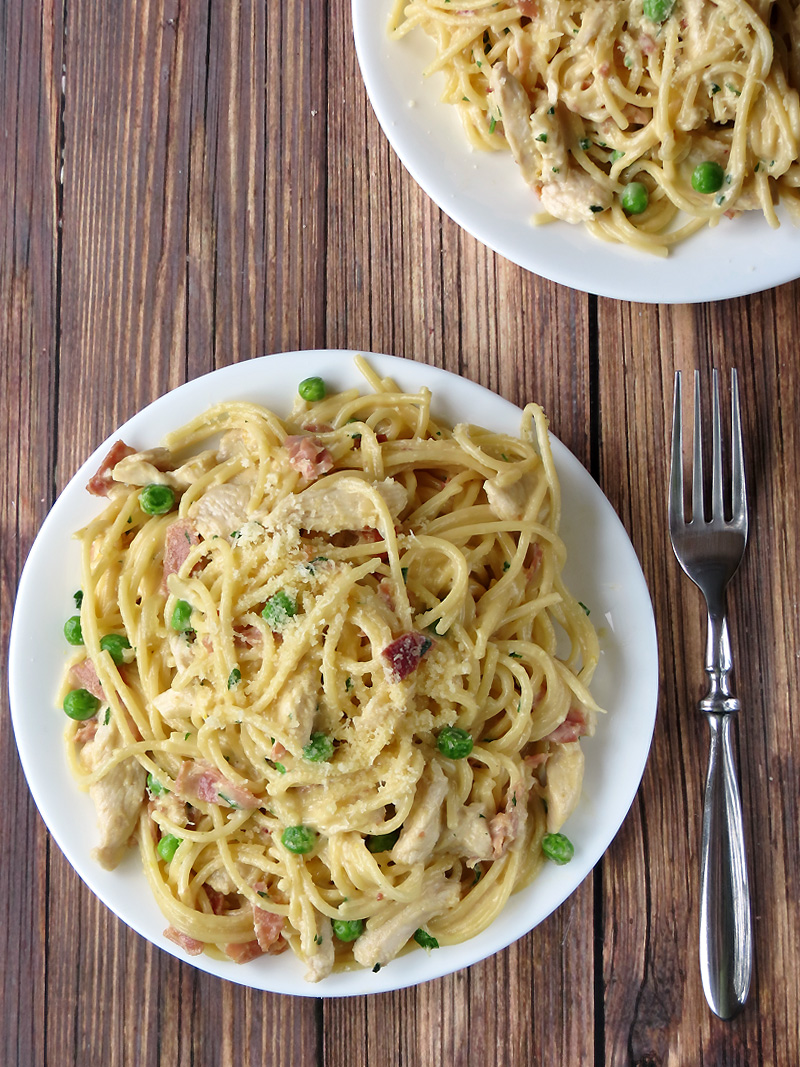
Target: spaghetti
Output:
[(645, 120), (330, 678)]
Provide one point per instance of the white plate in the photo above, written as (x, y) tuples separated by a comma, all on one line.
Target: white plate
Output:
[(602, 571), (484, 193)]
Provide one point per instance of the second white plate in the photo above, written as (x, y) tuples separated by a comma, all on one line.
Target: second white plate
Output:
[(484, 193)]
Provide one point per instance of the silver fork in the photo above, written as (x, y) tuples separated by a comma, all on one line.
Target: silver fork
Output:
[(710, 553)]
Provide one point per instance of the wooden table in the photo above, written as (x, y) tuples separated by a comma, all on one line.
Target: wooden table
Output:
[(188, 185)]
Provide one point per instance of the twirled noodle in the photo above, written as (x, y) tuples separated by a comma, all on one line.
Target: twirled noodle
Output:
[(326, 597), (608, 106)]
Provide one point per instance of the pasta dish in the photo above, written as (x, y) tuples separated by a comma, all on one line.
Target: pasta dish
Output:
[(644, 120), (327, 676)]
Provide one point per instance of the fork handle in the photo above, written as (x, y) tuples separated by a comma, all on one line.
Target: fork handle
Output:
[(726, 953)]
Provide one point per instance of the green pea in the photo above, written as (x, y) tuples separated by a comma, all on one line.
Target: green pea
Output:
[(80, 704), (181, 616), (382, 842), (155, 788), (312, 389), (299, 839), (634, 198), (708, 177), (167, 847), (558, 848), (423, 938), (347, 929), (156, 499), (658, 10), (278, 610), (454, 742), (115, 645), (319, 749), (73, 631)]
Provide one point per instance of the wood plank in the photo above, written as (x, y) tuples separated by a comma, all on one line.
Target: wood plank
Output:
[(30, 104), (659, 1013)]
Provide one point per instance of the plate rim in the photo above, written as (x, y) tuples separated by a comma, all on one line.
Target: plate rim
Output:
[(640, 278)]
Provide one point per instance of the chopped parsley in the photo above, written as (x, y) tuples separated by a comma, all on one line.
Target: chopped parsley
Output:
[(424, 939)]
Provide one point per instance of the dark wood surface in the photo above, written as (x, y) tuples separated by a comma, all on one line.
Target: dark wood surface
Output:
[(185, 185)]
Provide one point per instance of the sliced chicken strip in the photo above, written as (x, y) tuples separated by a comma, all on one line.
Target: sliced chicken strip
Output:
[(421, 830), (381, 942), (117, 796)]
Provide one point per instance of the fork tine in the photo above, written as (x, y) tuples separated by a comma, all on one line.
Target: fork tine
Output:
[(717, 502), (676, 468), (738, 486), (698, 511)]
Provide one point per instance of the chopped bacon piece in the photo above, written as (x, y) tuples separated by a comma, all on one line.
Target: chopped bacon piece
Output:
[(369, 536), (247, 636), (637, 115), (86, 731), (536, 759), (189, 945), (405, 653), (217, 900), (85, 674), (528, 7), (535, 556), (366, 536), (199, 780), (181, 535), (269, 927), (318, 427), (101, 481), (573, 727), (308, 456), (243, 953), (507, 825)]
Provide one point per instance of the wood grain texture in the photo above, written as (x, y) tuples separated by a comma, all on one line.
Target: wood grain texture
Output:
[(29, 327), (192, 184), (665, 1021)]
